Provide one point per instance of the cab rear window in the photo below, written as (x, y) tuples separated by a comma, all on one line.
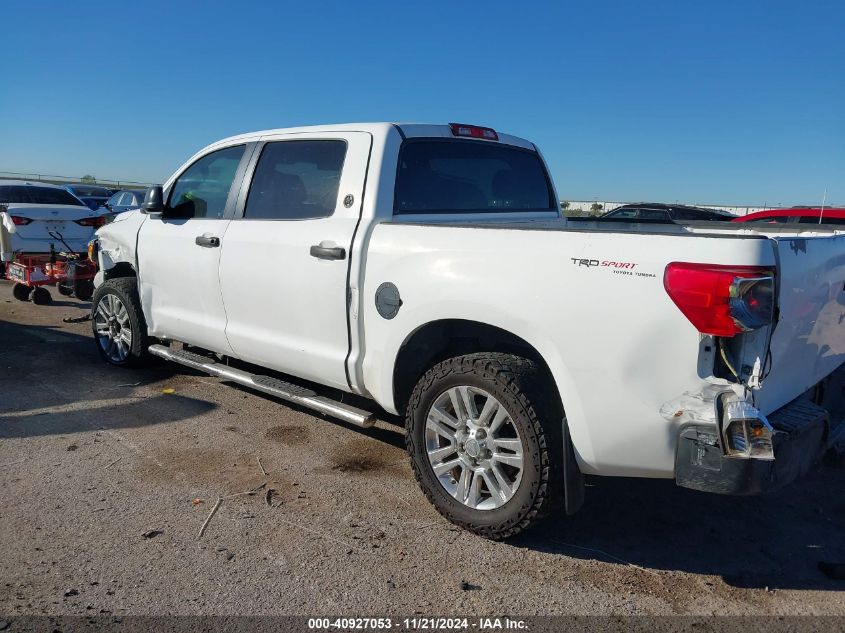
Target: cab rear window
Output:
[(445, 175)]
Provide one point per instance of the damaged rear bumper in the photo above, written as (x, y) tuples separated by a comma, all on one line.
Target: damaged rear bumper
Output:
[(804, 432)]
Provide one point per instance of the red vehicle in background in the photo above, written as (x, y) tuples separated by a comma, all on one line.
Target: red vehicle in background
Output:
[(797, 215)]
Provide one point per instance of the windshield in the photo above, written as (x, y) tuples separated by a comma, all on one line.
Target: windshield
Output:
[(437, 176), (27, 194)]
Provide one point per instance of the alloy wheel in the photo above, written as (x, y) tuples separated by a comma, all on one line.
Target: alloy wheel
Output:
[(474, 447)]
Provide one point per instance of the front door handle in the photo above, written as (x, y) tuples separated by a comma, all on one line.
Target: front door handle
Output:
[(207, 242), (328, 252)]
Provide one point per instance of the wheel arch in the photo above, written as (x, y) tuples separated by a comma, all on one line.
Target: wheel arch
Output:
[(438, 340), (441, 339), (396, 365), (120, 269)]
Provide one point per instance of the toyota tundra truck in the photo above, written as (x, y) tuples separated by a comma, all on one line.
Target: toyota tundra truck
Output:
[(427, 269)]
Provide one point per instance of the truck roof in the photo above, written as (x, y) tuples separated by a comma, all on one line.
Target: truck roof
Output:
[(408, 130)]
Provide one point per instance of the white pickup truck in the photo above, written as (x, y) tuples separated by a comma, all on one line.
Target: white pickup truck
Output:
[(428, 268)]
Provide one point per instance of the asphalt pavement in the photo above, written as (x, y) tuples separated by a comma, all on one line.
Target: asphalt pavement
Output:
[(107, 476)]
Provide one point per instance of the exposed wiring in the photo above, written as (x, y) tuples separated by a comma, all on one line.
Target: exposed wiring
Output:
[(766, 364), (725, 360)]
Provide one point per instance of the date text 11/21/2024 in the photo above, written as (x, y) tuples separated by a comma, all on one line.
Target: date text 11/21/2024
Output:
[(418, 623)]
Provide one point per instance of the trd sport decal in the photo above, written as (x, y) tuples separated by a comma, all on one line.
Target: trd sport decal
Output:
[(618, 268), (595, 262)]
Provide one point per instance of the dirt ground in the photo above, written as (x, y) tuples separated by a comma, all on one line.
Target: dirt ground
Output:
[(107, 475)]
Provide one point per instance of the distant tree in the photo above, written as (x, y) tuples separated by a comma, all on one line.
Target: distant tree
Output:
[(564, 205), (89, 179), (596, 208)]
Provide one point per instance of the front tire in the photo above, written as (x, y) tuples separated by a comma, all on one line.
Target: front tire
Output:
[(120, 331), (483, 435)]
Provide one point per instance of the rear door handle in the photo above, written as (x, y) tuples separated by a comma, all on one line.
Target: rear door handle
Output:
[(328, 252), (207, 242)]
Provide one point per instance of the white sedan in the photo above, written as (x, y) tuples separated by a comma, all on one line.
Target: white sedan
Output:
[(46, 215)]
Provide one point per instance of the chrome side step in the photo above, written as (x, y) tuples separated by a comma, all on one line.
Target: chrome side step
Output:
[(267, 384)]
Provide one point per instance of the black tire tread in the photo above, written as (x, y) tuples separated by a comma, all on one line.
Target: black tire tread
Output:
[(83, 289), (526, 382), (21, 291), (40, 296)]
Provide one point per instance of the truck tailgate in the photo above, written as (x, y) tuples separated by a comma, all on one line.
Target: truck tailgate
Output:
[(808, 342)]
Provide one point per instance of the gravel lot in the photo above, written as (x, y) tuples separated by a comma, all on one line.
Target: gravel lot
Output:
[(93, 457)]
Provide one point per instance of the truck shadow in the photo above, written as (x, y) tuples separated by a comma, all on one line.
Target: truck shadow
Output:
[(774, 541), (54, 382), (393, 436)]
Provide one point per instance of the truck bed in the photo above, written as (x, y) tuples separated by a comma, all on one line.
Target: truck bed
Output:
[(589, 297)]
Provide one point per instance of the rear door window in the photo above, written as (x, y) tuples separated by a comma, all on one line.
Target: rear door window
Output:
[(296, 180), (623, 213), (689, 214), (441, 176), (654, 214), (202, 189), (772, 219)]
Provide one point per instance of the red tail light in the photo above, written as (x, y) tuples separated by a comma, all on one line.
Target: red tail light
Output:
[(97, 221), (473, 131), (722, 300), (19, 221)]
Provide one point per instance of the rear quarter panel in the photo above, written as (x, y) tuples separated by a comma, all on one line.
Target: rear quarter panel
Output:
[(617, 346)]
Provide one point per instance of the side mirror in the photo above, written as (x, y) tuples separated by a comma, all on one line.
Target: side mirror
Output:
[(153, 201)]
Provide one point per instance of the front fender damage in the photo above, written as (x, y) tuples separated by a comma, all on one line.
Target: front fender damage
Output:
[(117, 244)]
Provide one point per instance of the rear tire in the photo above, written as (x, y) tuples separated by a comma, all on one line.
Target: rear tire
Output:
[(64, 289), (40, 296), (509, 479), (21, 292), (117, 321)]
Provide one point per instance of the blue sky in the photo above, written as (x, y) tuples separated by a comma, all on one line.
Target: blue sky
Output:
[(711, 102)]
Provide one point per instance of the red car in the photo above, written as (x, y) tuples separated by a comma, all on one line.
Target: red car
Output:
[(800, 215)]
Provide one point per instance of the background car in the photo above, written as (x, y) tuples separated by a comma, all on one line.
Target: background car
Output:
[(125, 200), (797, 215), (92, 195), (46, 215), (659, 212)]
